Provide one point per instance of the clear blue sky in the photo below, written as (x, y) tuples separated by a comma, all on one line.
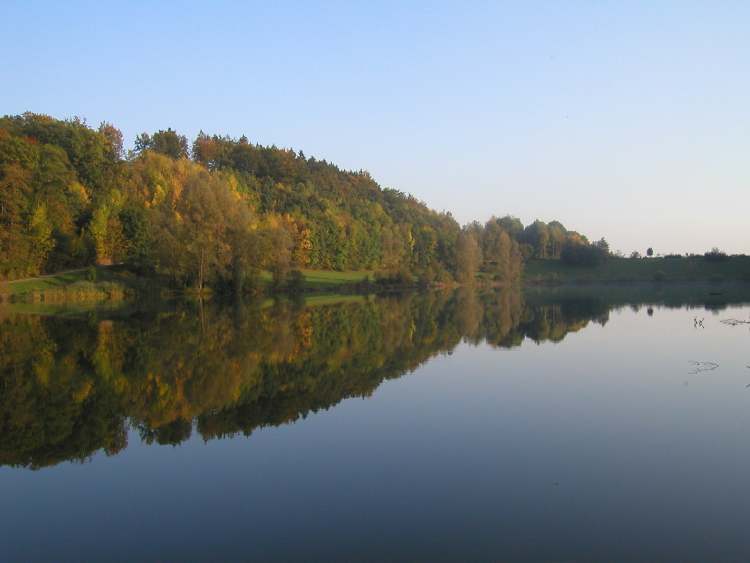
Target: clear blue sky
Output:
[(628, 120)]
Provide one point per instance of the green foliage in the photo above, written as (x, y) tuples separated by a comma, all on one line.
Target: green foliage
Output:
[(41, 236), (168, 143), (688, 269), (238, 209), (90, 153), (91, 284), (501, 253), (68, 199), (715, 255), (581, 254), (52, 176), (295, 281), (468, 257)]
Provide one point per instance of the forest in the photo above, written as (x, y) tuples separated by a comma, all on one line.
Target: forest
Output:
[(217, 212)]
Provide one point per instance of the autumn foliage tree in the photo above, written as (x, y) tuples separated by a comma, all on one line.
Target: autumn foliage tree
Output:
[(217, 212)]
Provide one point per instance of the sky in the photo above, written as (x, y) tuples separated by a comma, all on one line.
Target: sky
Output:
[(625, 120)]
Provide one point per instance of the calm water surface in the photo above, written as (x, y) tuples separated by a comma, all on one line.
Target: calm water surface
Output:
[(555, 425)]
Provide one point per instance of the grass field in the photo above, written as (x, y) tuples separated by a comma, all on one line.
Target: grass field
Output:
[(52, 281), (736, 268), (321, 279), (113, 282), (84, 284), (326, 277)]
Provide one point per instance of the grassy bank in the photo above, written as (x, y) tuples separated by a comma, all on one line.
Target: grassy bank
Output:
[(113, 283), (94, 284), (678, 294), (694, 269), (325, 280)]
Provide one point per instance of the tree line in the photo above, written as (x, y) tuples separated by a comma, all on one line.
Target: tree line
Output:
[(218, 211)]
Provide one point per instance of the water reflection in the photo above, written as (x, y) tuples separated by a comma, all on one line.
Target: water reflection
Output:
[(70, 387)]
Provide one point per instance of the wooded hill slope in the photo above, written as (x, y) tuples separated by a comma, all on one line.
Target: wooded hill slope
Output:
[(219, 211)]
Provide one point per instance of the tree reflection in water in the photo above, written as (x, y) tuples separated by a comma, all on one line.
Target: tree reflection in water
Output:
[(72, 387)]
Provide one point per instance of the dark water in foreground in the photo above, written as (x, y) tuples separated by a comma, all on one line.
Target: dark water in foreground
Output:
[(548, 426)]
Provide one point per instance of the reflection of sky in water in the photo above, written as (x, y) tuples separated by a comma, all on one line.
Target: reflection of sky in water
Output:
[(601, 446)]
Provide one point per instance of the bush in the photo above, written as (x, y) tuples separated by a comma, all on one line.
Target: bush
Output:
[(445, 277), (295, 281), (577, 254), (399, 278), (715, 255), (659, 276)]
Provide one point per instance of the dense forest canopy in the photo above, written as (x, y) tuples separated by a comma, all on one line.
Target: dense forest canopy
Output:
[(219, 210)]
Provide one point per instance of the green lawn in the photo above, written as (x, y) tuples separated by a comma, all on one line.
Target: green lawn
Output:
[(646, 269), (103, 283), (328, 277), (85, 284), (52, 281)]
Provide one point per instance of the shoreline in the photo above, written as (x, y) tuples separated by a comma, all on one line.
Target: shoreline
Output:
[(111, 284)]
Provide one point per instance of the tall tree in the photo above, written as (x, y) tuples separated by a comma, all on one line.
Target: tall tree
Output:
[(467, 257), (167, 142)]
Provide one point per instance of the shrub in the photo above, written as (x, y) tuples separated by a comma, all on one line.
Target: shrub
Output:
[(659, 276), (578, 254), (399, 278), (295, 281), (715, 255)]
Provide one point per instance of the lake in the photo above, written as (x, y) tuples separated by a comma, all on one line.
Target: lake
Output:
[(566, 424)]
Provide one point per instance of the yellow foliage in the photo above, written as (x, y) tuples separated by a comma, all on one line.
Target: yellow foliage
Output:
[(84, 390), (78, 191)]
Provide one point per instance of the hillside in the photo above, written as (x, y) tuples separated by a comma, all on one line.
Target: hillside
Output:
[(231, 215), (685, 269), (214, 214)]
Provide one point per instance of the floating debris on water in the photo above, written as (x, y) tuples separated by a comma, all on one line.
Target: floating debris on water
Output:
[(699, 367)]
